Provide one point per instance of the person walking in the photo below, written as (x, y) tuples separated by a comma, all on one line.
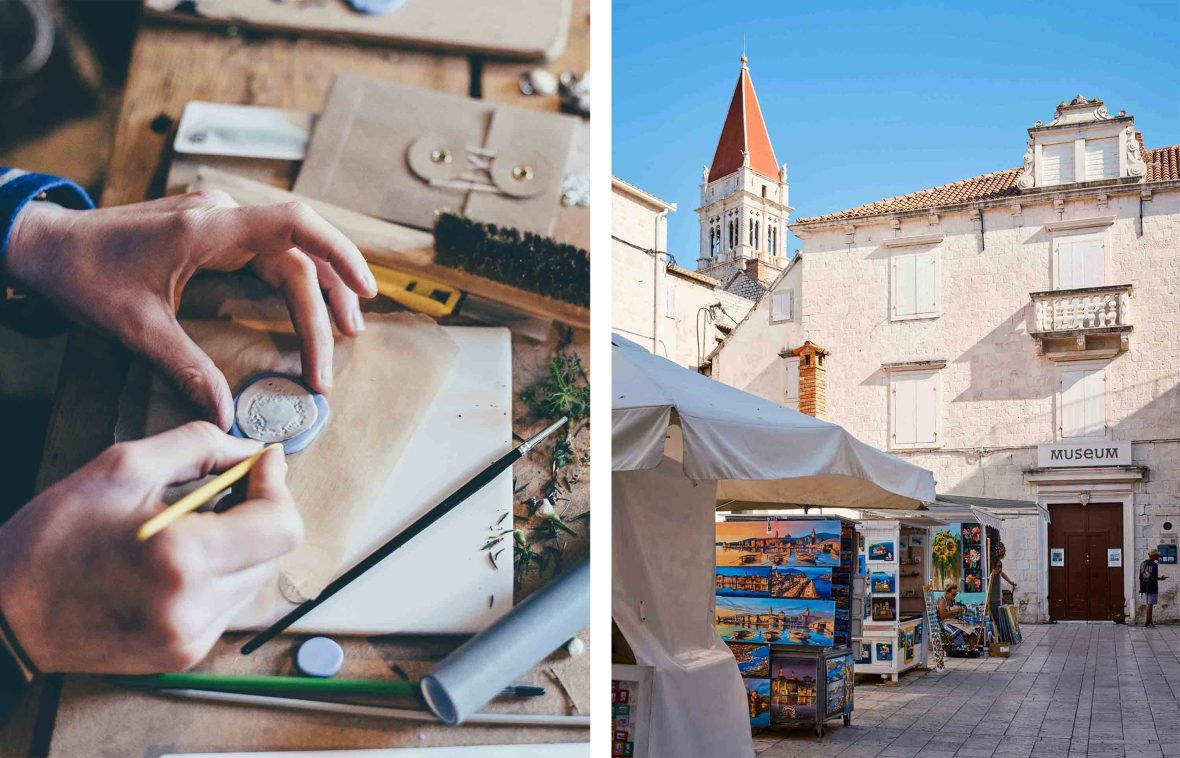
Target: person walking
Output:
[(1149, 584)]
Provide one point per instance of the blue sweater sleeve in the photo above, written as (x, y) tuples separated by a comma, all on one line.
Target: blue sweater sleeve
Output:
[(19, 188)]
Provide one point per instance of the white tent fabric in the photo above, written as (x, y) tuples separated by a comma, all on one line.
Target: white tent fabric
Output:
[(756, 450), (682, 442), (662, 531)]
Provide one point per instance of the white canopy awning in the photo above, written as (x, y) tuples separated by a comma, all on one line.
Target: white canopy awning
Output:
[(682, 444), (756, 450)]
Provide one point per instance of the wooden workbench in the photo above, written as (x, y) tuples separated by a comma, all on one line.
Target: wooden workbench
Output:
[(76, 716)]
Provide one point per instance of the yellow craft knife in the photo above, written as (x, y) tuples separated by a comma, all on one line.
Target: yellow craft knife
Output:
[(416, 292)]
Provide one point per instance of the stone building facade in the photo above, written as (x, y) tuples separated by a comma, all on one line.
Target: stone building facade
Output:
[(1018, 334), (668, 309)]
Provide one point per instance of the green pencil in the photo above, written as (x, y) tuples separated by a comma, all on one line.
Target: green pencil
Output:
[(272, 684)]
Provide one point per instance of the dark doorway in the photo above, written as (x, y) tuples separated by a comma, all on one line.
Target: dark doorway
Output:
[(1086, 588)]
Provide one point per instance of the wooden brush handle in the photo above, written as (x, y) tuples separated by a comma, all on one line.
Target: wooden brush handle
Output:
[(400, 247)]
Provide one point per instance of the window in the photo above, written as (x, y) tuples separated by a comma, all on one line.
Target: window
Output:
[(1057, 163), (782, 306), (670, 298), (915, 409), (915, 285), (1080, 262), (1102, 158), (771, 237), (753, 237), (1082, 403), (791, 382), (715, 236), (733, 232), (763, 190)]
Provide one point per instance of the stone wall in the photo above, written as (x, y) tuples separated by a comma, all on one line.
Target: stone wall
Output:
[(998, 397)]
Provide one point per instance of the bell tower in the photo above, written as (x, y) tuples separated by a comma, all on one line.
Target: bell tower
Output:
[(744, 209)]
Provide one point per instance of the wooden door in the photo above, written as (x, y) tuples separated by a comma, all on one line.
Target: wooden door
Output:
[(1086, 588)]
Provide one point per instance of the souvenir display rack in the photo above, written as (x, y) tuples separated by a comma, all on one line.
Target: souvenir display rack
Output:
[(894, 631), (784, 606)]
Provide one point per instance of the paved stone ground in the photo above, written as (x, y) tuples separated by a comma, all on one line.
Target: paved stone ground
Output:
[(1068, 690)]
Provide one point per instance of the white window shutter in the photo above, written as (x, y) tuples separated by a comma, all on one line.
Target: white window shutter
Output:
[(670, 299), (1102, 158), (782, 306), (904, 285), (791, 382), (1057, 166), (1083, 403), (1095, 404), (1073, 404), (1080, 263), (926, 410), (925, 284), (904, 412)]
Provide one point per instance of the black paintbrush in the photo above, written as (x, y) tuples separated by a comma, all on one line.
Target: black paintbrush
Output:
[(478, 482)]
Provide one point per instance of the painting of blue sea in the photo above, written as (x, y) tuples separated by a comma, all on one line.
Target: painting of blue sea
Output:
[(778, 543), (804, 582), (753, 660), (742, 581), (777, 620)]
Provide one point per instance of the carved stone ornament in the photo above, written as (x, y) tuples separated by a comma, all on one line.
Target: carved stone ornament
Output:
[(1080, 110), (705, 174), (1135, 164), (1026, 179)]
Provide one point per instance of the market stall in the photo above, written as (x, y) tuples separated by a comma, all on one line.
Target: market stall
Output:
[(896, 560), (784, 605), (684, 446)]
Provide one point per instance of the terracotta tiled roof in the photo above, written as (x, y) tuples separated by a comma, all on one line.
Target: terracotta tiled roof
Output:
[(1163, 164), (744, 129), (708, 281)]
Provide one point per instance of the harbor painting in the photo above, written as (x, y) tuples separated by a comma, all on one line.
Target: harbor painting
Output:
[(777, 620), (778, 543), (793, 689), (742, 581), (882, 582), (758, 697), (804, 582), (881, 551), (753, 660)]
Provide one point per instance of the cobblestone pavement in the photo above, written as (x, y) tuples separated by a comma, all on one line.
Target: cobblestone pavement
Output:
[(1068, 690)]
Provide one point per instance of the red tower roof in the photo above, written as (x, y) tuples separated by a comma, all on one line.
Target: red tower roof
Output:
[(744, 130)]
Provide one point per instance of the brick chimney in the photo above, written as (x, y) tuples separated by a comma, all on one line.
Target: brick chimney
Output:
[(813, 379), (761, 271)]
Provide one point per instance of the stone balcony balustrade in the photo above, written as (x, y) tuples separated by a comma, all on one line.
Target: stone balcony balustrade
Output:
[(1081, 324)]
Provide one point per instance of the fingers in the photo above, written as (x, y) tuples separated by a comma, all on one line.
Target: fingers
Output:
[(295, 275), (275, 229), (342, 301), (186, 453), (263, 528), (159, 337)]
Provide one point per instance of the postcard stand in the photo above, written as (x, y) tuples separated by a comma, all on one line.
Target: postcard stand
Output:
[(895, 554), (784, 605)]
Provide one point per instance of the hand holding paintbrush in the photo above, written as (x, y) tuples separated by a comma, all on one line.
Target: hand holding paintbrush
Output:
[(80, 593)]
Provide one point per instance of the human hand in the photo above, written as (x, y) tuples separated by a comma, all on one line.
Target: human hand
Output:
[(82, 594), (123, 269)]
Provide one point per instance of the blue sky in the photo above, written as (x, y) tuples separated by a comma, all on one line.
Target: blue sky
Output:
[(865, 100)]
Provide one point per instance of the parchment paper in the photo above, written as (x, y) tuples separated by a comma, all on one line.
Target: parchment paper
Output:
[(384, 382)]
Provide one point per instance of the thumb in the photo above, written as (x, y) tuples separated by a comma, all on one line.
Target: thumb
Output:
[(164, 343)]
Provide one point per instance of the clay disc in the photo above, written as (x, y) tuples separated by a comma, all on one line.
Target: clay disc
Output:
[(278, 408)]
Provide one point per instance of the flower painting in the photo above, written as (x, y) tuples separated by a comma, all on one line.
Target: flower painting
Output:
[(946, 556)]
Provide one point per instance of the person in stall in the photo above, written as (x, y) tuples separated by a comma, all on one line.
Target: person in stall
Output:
[(964, 634)]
